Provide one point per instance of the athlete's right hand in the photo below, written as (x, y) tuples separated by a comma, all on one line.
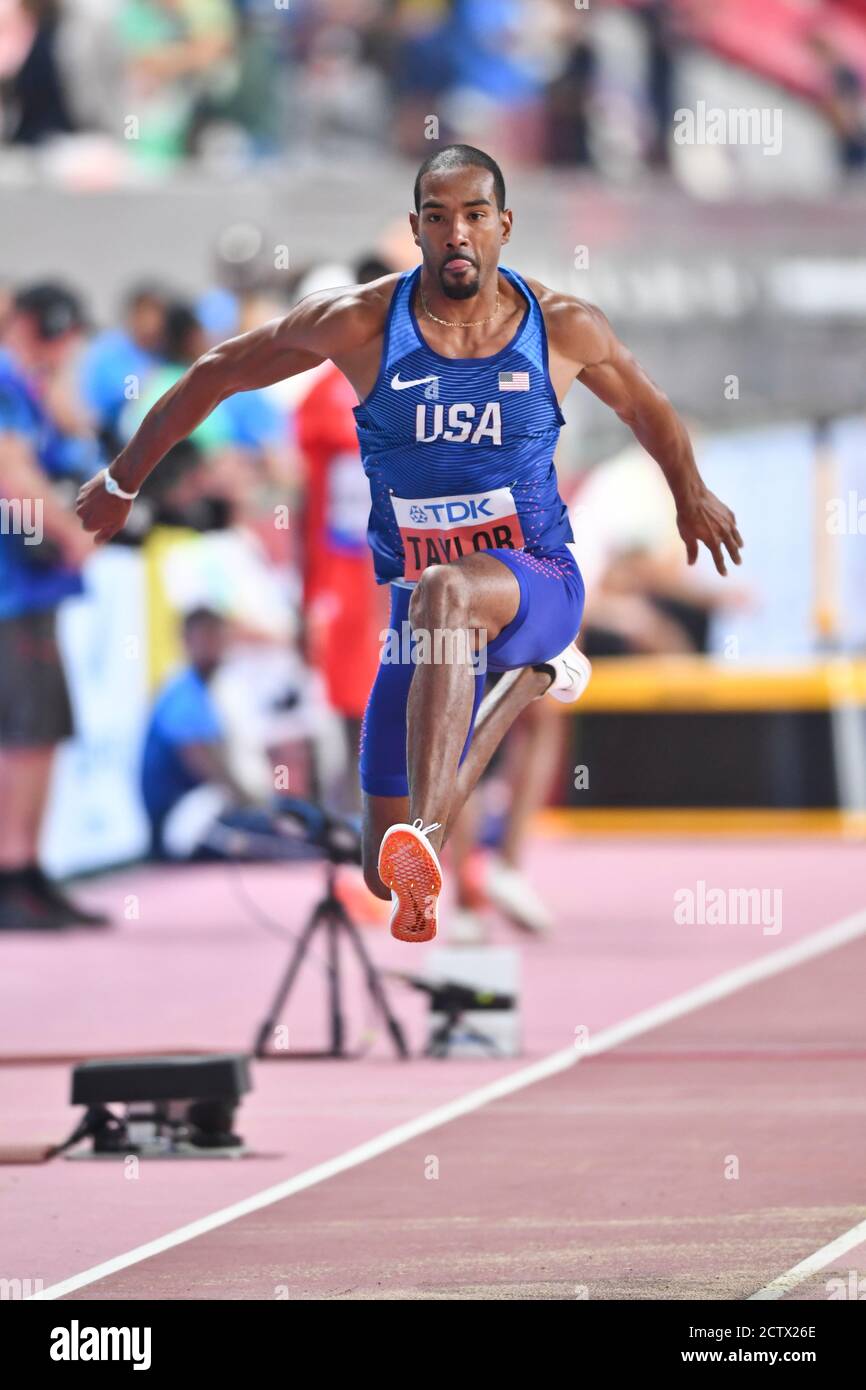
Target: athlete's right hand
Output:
[(101, 512), (704, 518)]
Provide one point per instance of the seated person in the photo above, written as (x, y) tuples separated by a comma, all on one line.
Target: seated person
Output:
[(183, 748), (196, 806)]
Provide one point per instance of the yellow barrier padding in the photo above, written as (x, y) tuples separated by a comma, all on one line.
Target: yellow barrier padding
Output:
[(703, 683), (747, 821), (164, 650)]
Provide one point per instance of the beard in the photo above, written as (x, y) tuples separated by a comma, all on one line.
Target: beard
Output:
[(461, 289)]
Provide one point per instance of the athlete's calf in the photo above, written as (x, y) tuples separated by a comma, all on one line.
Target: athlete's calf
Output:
[(470, 601)]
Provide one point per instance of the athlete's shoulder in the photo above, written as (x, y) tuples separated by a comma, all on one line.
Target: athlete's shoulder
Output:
[(358, 311), (341, 321), (576, 329)]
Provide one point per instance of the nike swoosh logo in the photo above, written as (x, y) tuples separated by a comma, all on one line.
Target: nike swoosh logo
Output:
[(398, 385)]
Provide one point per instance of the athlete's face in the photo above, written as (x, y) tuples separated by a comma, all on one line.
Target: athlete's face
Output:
[(460, 229)]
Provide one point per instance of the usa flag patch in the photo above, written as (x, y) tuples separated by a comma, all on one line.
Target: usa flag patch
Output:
[(514, 381)]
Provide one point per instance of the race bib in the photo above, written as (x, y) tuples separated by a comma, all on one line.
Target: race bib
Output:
[(437, 530)]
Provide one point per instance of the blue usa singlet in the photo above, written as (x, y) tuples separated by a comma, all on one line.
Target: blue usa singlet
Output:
[(459, 451)]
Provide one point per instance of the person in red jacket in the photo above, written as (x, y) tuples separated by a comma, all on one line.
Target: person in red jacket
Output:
[(343, 607)]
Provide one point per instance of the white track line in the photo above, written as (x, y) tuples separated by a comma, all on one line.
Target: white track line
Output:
[(838, 934), (821, 1258)]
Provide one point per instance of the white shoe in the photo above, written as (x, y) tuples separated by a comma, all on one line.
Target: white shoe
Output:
[(571, 673), (510, 890), (465, 928)]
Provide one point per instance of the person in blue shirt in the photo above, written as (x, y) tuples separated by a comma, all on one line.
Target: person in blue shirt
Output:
[(42, 551), (185, 753), (184, 743), (116, 362), (248, 420)]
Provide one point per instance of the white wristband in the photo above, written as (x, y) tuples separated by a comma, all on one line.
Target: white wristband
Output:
[(111, 486)]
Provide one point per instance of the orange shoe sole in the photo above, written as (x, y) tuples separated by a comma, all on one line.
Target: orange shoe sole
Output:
[(408, 868)]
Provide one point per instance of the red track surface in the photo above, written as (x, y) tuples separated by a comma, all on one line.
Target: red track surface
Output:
[(607, 1180)]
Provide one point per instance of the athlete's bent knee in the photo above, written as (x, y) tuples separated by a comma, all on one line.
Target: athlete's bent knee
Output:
[(441, 595)]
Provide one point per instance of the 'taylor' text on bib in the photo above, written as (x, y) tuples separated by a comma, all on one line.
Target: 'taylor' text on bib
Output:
[(437, 530)]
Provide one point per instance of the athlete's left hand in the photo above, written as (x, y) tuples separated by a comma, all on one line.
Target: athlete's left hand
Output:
[(705, 518)]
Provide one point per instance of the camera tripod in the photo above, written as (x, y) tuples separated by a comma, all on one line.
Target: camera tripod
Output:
[(330, 917)]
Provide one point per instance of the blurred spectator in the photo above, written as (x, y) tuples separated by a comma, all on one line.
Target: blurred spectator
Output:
[(118, 360), (91, 60), (196, 803), (247, 420), (61, 68), (569, 97), (176, 494), (179, 52), (36, 101), (251, 111), (844, 101), (183, 747), (498, 90), (233, 81), (42, 550), (218, 312), (662, 47), (343, 97), (343, 610), (7, 305), (422, 67), (642, 596)]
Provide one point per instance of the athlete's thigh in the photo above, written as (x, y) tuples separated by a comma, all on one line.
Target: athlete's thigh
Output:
[(494, 594), (379, 812), (550, 612)]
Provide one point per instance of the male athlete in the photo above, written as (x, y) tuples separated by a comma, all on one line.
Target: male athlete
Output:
[(459, 367)]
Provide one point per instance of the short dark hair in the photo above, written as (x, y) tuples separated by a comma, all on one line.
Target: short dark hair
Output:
[(200, 617), (146, 292), (460, 157), (181, 321), (53, 307), (371, 267)]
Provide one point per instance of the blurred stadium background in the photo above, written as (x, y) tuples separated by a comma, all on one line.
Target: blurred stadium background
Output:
[(229, 156)]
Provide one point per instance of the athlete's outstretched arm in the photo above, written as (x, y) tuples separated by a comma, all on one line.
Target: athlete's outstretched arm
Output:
[(322, 324), (613, 374)]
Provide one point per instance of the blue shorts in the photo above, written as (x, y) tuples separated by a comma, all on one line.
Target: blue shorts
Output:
[(547, 620)]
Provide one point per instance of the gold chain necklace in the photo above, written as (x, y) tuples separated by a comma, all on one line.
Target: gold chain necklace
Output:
[(471, 323)]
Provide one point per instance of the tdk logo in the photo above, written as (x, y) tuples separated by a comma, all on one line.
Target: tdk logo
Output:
[(454, 512)]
